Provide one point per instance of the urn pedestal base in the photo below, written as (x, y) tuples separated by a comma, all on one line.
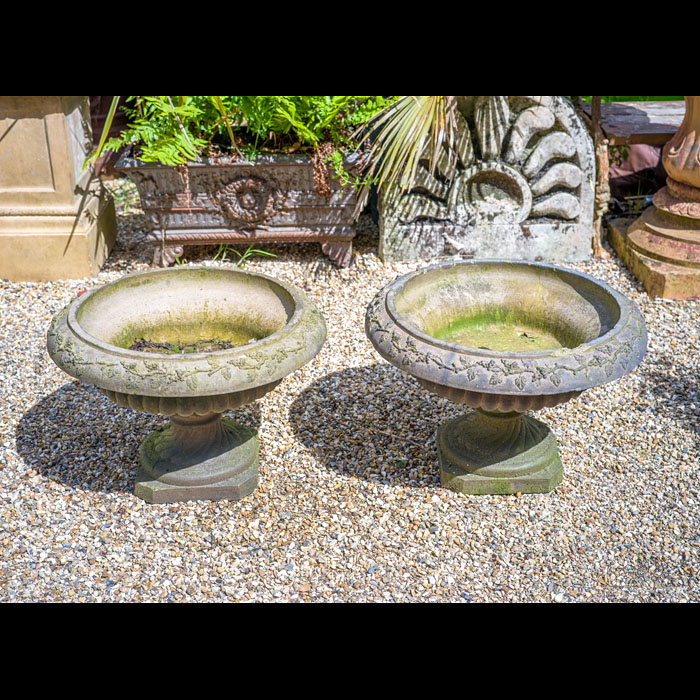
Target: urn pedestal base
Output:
[(661, 251), (198, 458), (498, 453)]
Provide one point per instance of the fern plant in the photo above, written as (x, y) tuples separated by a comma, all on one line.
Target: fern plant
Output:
[(175, 130)]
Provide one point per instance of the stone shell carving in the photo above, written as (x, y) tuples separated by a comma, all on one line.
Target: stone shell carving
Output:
[(190, 384), (505, 381), (522, 187)]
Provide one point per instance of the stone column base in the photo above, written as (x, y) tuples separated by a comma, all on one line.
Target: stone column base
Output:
[(662, 251), (47, 244), (487, 453), (198, 459)]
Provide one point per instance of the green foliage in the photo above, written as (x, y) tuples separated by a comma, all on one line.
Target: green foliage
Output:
[(175, 130), (162, 126), (402, 132), (243, 258)]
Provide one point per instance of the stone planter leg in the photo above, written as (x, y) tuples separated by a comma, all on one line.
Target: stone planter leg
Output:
[(498, 453), (164, 257), (662, 248), (198, 458), (339, 253)]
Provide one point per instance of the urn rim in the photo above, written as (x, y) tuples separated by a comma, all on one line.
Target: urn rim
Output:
[(394, 288), (108, 348), (470, 375), (224, 373)]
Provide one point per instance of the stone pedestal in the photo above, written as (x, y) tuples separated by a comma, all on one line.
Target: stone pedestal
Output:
[(662, 247), (498, 453), (56, 219), (198, 458), (522, 188)]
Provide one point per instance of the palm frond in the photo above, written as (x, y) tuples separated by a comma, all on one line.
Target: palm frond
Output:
[(105, 133), (401, 136)]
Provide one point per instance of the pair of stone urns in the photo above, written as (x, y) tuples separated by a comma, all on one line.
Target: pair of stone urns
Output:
[(502, 337)]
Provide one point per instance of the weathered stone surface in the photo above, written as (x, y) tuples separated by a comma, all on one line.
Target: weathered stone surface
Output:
[(198, 456), (660, 277), (483, 453), (598, 336), (57, 221), (522, 188), (209, 460)]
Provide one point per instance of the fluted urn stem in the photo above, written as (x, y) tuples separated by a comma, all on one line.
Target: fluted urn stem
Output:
[(196, 435), (682, 154), (486, 452), (198, 457)]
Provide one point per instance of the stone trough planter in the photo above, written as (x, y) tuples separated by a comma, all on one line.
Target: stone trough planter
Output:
[(273, 199), (273, 328), (505, 338)]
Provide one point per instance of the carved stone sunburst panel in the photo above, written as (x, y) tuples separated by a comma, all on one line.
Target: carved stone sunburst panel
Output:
[(522, 187)]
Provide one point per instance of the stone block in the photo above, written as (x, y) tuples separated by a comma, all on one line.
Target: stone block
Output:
[(57, 221), (522, 188)]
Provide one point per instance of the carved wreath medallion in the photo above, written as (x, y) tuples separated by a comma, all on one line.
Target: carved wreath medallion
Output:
[(249, 200)]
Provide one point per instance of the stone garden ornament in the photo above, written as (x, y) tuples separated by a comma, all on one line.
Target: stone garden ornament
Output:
[(256, 331), (662, 247), (226, 201), (504, 338), (522, 187)]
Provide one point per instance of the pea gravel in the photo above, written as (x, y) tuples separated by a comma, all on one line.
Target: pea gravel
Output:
[(350, 506)]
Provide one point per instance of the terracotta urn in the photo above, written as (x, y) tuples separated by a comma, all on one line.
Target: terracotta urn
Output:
[(267, 329), (662, 247), (682, 153), (504, 338)]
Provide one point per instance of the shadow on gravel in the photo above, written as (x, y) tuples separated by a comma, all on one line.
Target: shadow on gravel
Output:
[(78, 437), (373, 422), (677, 393)]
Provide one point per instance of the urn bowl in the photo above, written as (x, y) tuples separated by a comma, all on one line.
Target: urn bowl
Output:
[(505, 338), (189, 343)]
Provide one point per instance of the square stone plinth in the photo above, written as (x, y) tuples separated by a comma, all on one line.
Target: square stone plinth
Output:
[(543, 481), (57, 221), (43, 247), (660, 279), (233, 489)]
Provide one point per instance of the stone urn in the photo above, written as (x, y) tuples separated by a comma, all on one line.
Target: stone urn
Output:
[(504, 338), (211, 340)]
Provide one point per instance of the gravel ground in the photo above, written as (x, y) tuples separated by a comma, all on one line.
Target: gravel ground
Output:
[(349, 507)]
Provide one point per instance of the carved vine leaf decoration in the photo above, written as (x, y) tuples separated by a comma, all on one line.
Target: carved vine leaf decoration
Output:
[(161, 376), (405, 351)]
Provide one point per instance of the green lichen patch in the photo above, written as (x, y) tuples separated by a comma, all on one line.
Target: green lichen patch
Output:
[(183, 338), (489, 332)]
